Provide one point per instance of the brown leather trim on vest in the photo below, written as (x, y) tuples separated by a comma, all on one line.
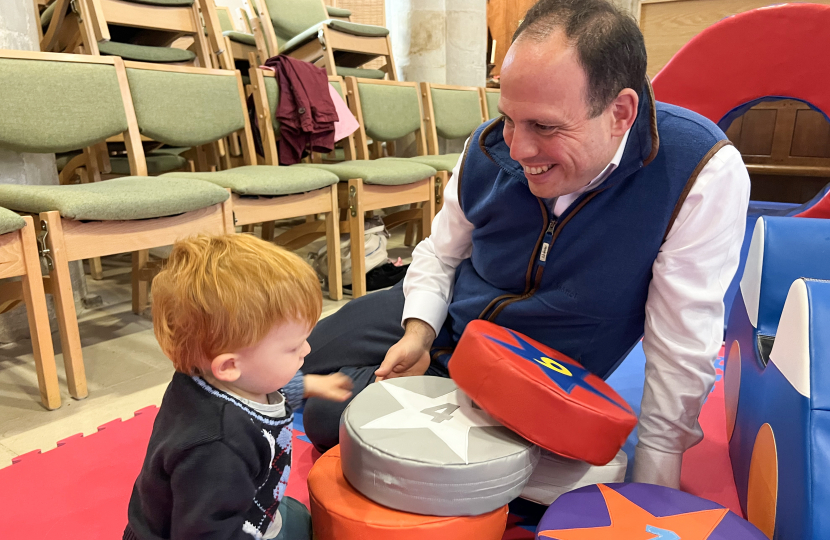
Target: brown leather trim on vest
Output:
[(655, 136), (691, 182), (498, 299), (461, 174), (484, 134)]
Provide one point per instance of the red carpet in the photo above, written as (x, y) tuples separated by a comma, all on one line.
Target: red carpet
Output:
[(80, 490)]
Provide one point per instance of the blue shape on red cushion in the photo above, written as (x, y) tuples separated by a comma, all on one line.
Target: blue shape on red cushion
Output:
[(563, 381)]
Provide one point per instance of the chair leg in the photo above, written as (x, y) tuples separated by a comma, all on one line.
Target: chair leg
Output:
[(140, 285), (38, 315), (268, 231), (333, 248), (356, 234), (61, 287), (409, 238), (96, 272), (428, 210)]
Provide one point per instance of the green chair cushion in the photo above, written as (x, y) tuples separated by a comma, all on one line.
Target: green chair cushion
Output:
[(145, 53), (186, 109), (457, 112), (240, 37), (169, 150), (128, 198), (355, 29), (264, 180), (225, 22), (49, 106), (493, 104), (10, 222), (444, 162), (389, 112), (384, 171), (338, 12), (46, 16), (363, 73), (292, 17), (166, 3), (156, 164)]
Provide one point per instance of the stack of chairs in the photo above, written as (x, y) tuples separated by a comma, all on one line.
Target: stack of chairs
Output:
[(150, 152)]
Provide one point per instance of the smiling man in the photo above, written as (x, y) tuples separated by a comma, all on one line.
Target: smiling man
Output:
[(586, 217)]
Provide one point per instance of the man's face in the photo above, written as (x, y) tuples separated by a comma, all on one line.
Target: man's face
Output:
[(547, 124)]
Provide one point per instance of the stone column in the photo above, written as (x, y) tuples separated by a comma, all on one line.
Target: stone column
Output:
[(18, 32), (466, 50)]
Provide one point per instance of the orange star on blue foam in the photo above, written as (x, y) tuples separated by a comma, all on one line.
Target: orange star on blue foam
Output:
[(566, 376), (630, 522)]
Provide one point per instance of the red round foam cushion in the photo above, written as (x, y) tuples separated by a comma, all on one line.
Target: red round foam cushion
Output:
[(541, 394)]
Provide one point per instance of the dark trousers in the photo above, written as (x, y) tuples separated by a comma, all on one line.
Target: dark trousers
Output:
[(353, 341)]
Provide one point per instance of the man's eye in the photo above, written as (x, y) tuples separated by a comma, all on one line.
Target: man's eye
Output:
[(545, 129)]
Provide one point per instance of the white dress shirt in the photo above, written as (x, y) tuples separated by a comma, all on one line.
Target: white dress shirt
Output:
[(684, 309)]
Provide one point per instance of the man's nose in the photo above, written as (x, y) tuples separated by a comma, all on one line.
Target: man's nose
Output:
[(522, 146)]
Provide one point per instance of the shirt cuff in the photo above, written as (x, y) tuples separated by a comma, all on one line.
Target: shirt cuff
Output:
[(426, 306), (656, 467), (294, 391)]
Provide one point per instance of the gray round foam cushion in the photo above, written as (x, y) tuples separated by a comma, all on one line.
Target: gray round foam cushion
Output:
[(556, 475), (420, 445)]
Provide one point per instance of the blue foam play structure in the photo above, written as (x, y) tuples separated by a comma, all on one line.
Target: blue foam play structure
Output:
[(777, 379), (757, 209)]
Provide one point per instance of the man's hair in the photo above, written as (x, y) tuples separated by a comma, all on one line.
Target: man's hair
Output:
[(608, 42), (219, 294)]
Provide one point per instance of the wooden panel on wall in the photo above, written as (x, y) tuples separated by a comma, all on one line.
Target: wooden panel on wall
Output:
[(667, 25), (503, 17)]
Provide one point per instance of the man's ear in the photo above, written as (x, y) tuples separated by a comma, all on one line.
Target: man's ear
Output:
[(225, 367), (624, 111)]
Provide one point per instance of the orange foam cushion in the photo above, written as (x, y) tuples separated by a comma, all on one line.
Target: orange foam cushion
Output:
[(339, 512)]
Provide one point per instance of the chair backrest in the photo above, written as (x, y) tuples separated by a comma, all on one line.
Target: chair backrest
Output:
[(782, 250), (292, 17), (450, 112), (267, 99), (491, 96), (225, 20), (92, 105), (187, 106), (385, 110)]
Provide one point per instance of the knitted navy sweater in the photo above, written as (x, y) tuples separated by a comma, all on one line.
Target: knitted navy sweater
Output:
[(215, 468)]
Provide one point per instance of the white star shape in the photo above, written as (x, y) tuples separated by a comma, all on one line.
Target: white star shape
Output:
[(449, 416)]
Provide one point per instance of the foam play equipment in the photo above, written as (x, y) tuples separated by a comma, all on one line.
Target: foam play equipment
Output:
[(762, 55), (420, 445), (556, 475), (765, 54), (777, 379), (541, 394), (640, 511), (340, 512)]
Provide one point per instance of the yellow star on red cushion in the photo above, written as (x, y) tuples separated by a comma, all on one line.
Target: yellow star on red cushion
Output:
[(630, 522)]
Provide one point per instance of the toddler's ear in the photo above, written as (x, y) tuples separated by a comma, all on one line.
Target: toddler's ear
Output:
[(225, 367)]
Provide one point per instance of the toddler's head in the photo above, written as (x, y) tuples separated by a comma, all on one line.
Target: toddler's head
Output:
[(236, 309)]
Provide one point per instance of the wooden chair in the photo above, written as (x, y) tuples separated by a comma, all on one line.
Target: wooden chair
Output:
[(450, 112), (239, 45), (131, 214), (135, 30), (490, 100), (302, 29), (18, 250), (386, 110), (165, 97)]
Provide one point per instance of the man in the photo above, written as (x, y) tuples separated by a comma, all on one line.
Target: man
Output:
[(586, 217)]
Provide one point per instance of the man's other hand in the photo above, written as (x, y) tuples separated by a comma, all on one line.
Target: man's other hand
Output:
[(409, 356)]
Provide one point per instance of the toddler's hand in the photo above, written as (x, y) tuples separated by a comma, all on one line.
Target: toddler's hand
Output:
[(334, 387)]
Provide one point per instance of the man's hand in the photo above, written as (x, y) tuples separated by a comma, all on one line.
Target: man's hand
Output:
[(410, 355), (333, 387)]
